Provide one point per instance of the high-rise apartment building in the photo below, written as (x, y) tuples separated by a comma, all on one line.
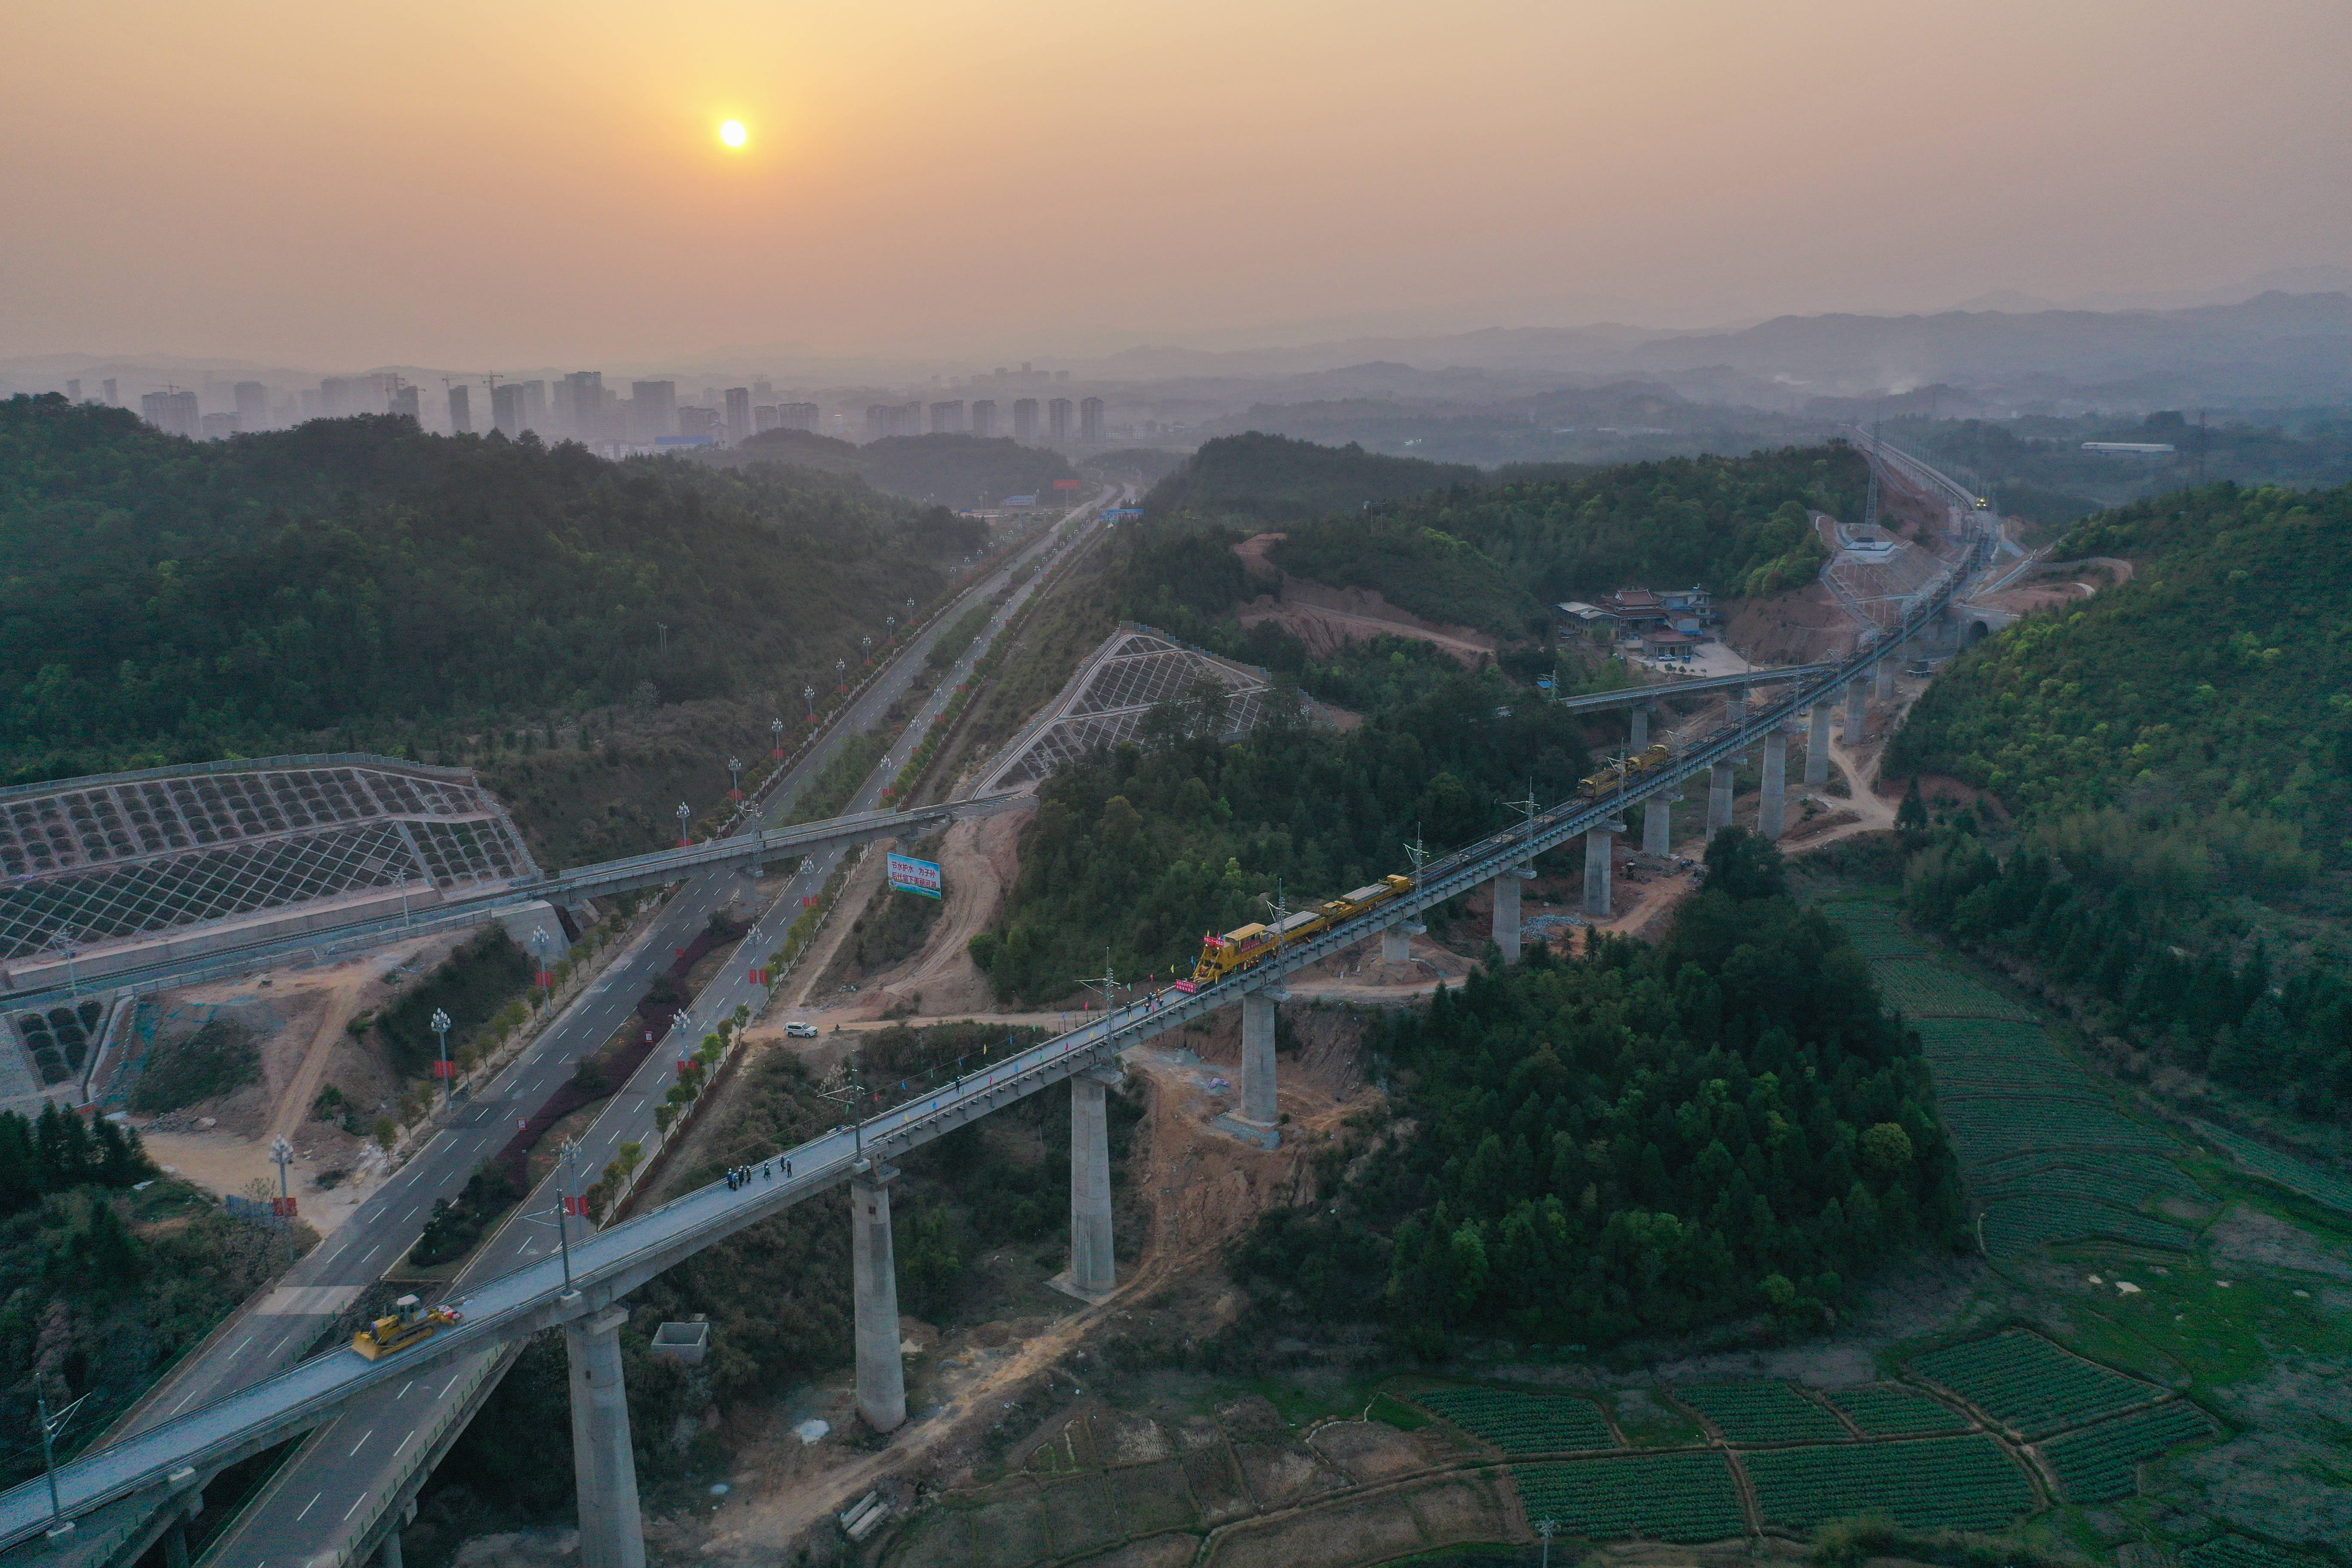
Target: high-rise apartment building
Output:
[(252, 406), (113, 398), (341, 396), (763, 392), (1090, 419), (696, 423), (738, 414), (534, 405), (1024, 418), (580, 405), (947, 418), (217, 427), (461, 411), (73, 392), (983, 417), (797, 417), (505, 409), (404, 402), (1057, 418), (173, 413), (764, 419), (652, 410)]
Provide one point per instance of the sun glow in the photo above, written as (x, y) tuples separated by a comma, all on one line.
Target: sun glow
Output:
[(733, 134)]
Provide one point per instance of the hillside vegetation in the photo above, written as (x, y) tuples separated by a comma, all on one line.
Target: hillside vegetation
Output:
[(356, 583), (1273, 479), (1494, 557), (2180, 750), (950, 470), (1638, 1141)]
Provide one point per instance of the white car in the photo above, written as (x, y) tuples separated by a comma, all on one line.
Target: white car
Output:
[(801, 1031)]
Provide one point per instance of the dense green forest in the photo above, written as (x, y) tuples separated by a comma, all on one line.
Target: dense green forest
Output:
[(1494, 556), (1639, 1139), (102, 1286), (1276, 480), (1147, 847), (2180, 751), (950, 470), (354, 581)]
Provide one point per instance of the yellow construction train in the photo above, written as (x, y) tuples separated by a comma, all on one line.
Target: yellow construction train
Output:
[(1246, 947), (1625, 771)]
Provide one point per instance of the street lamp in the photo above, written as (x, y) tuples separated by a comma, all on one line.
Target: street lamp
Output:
[(684, 816), (841, 668), (440, 1026), (404, 898), (808, 695), (540, 943), (735, 774), (281, 1154), (563, 1214), (776, 728), (889, 627), (867, 642)]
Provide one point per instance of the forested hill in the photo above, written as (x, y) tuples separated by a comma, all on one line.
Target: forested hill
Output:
[(2180, 750), (948, 470), (2223, 672), (1276, 480), (1493, 556), (355, 581)]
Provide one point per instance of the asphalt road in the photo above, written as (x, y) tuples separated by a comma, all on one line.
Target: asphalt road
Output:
[(321, 1496)]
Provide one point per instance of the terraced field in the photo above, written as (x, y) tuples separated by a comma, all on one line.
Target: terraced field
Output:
[(1686, 1497), (2030, 1385), (2305, 1177), (2238, 1552), (1884, 1412), (1943, 1483), (2096, 1464), (2040, 1139), (1761, 1413), (1520, 1423)]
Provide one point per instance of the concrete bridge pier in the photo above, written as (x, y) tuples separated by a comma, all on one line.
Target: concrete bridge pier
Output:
[(1817, 743), (874, 1288), (1507, 910), (603, 1466), (1857, 697), (1599, 850), (1396, 942), (1259, 1105), (1093, 1273), (1773, 806), (1658, 823), (1722, 778), (1882, 676), (526, 923), (1735, 705), (1640, 736)]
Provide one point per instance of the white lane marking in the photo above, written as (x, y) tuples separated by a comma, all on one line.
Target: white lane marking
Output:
[(311, 1504), (362, 1442), (449, 1385), (355, 1504), (404, 1388), (404, 1442)]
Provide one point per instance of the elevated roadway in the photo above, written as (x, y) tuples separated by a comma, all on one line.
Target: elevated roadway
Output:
[(604, 1266)]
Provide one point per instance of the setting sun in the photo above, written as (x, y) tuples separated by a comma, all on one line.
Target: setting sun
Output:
[(733, 134)]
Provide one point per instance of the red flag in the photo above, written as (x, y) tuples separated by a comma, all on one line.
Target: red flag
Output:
[(578, 1206)]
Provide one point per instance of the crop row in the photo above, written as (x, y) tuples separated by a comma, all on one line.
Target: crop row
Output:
[(1522, 1423), (1898, 1412), (1989, 1127), (1686, 1497), (1924, 988), (2016, 1224), (2096, 1465), (1944, 1483), (1762, 1412), (2121, 1171), (2317, 1183), (1874, 930), (2237, 1551), (2030, 1385)]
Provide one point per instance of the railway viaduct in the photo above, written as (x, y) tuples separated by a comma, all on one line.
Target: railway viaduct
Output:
[(114, 1500)]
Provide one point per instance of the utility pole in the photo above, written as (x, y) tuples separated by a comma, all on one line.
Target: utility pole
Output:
[(1105, 986), (1418, 854), (852, 1093), (50, 1427), (571, 1195)]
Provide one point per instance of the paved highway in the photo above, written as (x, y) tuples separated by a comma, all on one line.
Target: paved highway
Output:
[(331, 1492)]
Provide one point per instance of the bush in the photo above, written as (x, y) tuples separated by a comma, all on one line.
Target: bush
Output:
[(217, 1058)]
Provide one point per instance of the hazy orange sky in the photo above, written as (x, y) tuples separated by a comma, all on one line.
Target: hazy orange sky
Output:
[(523, 183)]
